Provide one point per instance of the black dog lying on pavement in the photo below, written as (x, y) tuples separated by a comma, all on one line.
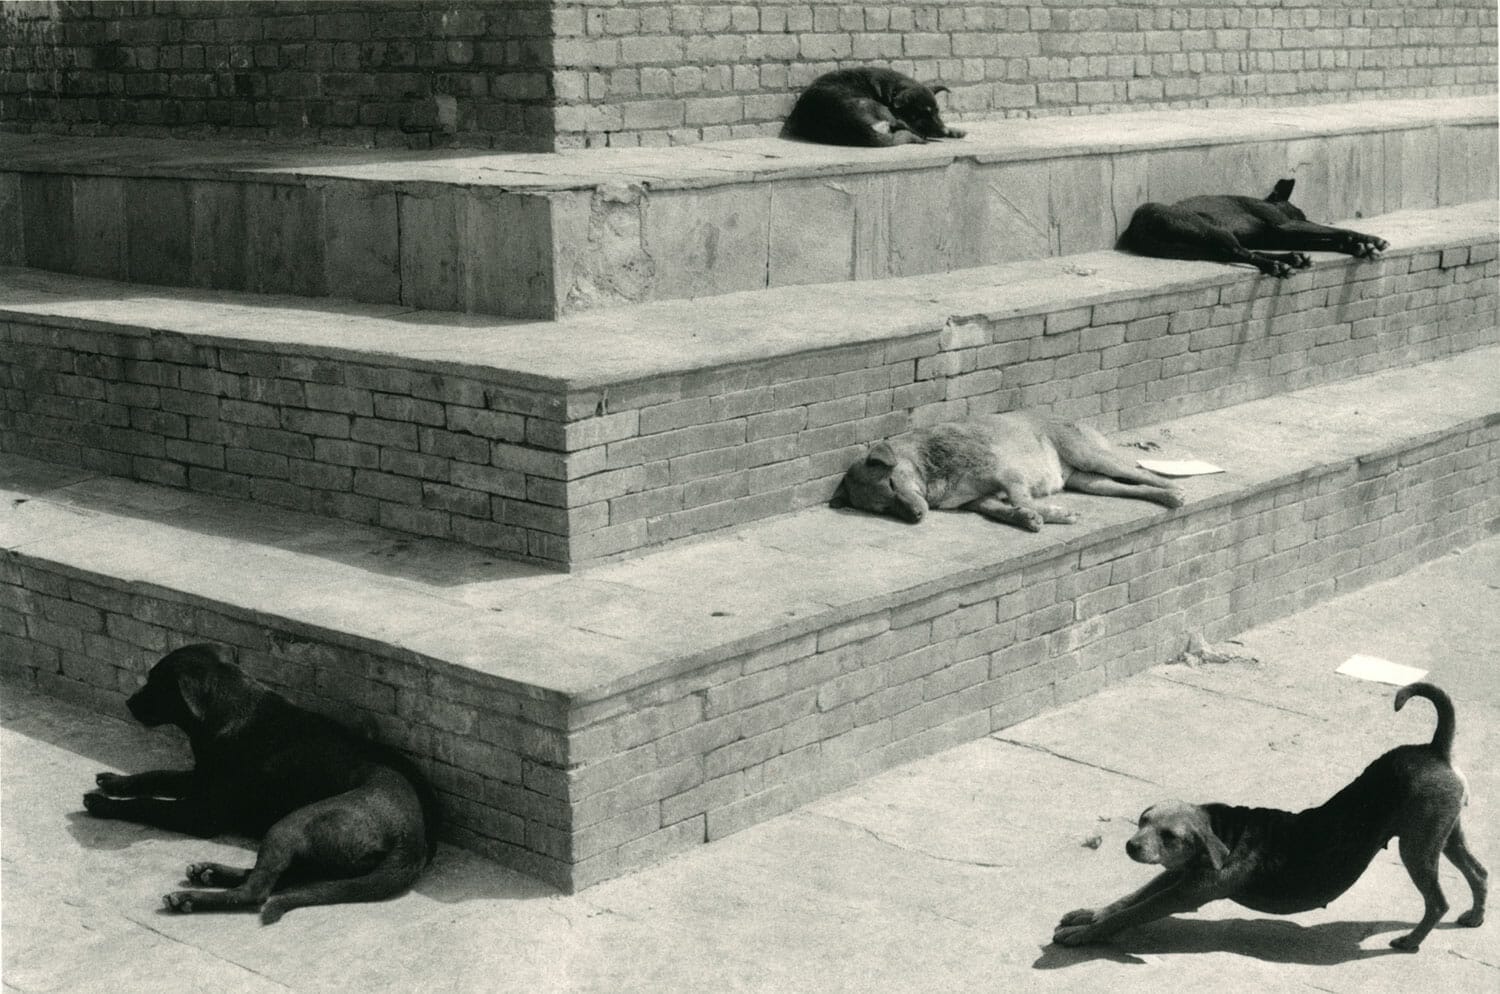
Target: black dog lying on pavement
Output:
[(868, 107), (1237, 229), (1281, 862), (352, 820)]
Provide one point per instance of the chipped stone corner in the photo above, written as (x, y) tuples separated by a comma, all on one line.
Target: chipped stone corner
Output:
[(610, 264)]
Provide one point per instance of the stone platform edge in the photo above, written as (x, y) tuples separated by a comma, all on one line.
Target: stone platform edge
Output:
[(741, 160), (217, 395), (580, 787), (784, 215)]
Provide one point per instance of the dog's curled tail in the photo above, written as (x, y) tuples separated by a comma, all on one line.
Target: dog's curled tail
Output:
[(1442, 738), (395, 872)]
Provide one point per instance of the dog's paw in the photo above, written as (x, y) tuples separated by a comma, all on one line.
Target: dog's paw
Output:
[(1367, 246), (272, 910), (1079, 916), (1073, 935), (1029, 519), (1299, 260), (1473, 918), (203, 874), (180, 901), (1172, 498), (1406, 943), (98, 804), (112, 784)]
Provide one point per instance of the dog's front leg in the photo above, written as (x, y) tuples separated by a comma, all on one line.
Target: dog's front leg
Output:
[(189, 816), (1167, 894), (153, 783), (1321, 237)]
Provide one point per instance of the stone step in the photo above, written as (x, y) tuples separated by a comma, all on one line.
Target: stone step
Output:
[(540, 235), (582, 725), (610, 431)]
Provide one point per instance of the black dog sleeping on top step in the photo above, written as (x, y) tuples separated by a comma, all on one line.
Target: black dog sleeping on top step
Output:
[(1238, 229), (867, 106)]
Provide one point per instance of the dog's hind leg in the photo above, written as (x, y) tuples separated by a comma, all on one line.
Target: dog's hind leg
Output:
[(1457, 850), (1181, 235), (277, 851), (1420, 856), (396, 871), (1104, 486)]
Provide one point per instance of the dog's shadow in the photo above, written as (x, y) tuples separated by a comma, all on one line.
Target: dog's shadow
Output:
[(454, 875), (1269, 939)]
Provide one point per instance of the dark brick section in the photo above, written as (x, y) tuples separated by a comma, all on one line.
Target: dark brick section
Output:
[(404, 73)]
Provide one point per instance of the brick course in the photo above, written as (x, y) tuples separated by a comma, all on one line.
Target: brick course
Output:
[(575, 477), (536, 74)]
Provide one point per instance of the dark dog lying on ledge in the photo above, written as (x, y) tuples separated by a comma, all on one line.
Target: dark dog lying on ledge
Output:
[(351, 820), (1281, 862), (867, 107), (1238, 229)]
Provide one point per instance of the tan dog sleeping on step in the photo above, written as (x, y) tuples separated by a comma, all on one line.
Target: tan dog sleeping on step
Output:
[(997, 465)]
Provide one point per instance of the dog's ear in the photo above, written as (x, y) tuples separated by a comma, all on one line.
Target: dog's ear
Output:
[(196, 688), (840, 496), (881, 454), (1282, 192), (1213, 847), (939, 88)]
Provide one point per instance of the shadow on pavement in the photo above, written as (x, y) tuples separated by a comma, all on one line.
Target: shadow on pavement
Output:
[(1268, 939)]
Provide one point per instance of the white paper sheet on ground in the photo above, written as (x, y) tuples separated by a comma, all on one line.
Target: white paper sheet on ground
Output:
[(1179, 467), (1380, 670)]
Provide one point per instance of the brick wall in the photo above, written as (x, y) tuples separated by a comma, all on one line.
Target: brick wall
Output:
[(633, 72), (577, 793), (569, 73), (400, 72), (88, 638), (708, 754), (575, 477)]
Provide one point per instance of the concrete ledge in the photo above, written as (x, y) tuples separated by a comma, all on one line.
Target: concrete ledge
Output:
[(579, 726), (663, 421), (540, 235)]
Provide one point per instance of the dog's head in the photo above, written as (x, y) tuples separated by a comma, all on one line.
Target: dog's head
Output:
[(192, 688), (1173, 834), (1281, 197), (917, 106), (884, 483)]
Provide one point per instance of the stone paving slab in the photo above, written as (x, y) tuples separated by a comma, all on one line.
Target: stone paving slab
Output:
[(943, 874)]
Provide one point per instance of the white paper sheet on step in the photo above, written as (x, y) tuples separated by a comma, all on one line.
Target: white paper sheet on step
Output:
[(1179, 467), (1380, 670)]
